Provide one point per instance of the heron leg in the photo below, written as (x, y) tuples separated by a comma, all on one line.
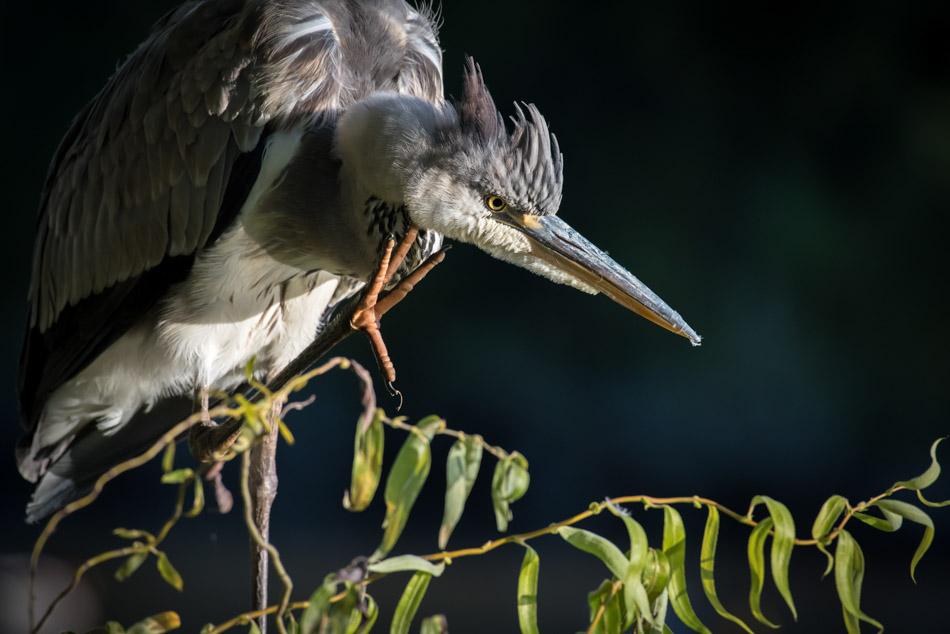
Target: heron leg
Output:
[(207, 438), (366, 317)]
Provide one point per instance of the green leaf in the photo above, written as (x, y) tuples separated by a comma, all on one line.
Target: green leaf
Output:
[(830, 512), (757, 567), (707, 562), (130, 565), (318, 606), (168, 458), (134, 533), (605, 609), (406, 479), (782, 545), (636, 600), (168, 572), (849, 574), (435, 624), (343, 615), (405, 563), (914, 514), (371, 613), (461, 469), (367, 464), (656, 574), (253, 628), (528, 592), (409, 602), (932, 504), (177, 476), (929, 476), (199, 503), (659, 625), (156, 624), (509, 484), (598, 546), (889, 523), (674, 546)]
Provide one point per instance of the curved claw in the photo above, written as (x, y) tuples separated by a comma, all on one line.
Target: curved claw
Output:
[(394, 392)]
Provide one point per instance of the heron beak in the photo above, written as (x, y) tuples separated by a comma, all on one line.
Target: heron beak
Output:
[(555, 242)]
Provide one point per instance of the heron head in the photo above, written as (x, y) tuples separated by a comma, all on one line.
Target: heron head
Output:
[(500, 190)]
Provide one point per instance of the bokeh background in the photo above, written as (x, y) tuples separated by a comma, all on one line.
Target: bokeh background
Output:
[(778, 172)]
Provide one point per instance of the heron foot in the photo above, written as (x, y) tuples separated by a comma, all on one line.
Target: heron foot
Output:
[(207, 439)]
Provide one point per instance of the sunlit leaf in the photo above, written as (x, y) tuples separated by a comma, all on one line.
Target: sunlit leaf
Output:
[(756, 551), (929, 476), (461, 469), (406, 479), (656, 574), (435, 624), (659, 625), (830, 512), (707, 562), (407, 563), (343, 615), (636, 600), (509, 483), (134, 533), (370, 614), (177, 476), (130, 565), (674, 546), (253, 628), (168, 572), (367, 464), (782, 544), (600, 547), (156, 624), (199, 503), (168, 458), (889, 523), (318, 605), (914, 514), (849, 575), (528, 592), (605, 609), (932, 504), (409, 602)]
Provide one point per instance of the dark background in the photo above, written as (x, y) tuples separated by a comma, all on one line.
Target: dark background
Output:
[(780, 175)]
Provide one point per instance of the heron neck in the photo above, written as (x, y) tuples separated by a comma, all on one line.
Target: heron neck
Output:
[(381, 140)]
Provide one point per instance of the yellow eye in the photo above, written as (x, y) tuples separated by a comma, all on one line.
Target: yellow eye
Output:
[(495, 203)]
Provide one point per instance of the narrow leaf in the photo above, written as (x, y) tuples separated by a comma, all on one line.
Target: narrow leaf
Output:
[(343, 615), (367, 464), (656, 574), (509, 483), (830, 512), (674, 546), (528, 592), (605, 609), (168, 572), (636, 601), (156, 624), (659, 625), (707, 562), (168, 458), (887, 524), (932, 504), (914, 514), (407, 563), (461, 469), (318, 604), (598, 546), (134, 533), (782, 545), (370, 614), (199, 503), (435, 624), (849, 575), (756, 551), (409, 602), (177, 476), (929, 476), (130, 565), (406, 479)]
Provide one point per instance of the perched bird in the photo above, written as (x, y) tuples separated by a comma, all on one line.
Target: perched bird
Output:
[(232, 184)]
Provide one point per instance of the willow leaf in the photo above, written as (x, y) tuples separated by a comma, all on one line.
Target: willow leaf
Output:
[(674, 546), (168, 572), (756, 550), (600, 547), (409, 602), (849, 575), (528, 592), (156, 624), (656, 574), (461, 469), (509, 484), (707, 562), (929, 476), (407, 563), (367, 464), (782, 544), (914, 514), (318, 606), (435, 624)]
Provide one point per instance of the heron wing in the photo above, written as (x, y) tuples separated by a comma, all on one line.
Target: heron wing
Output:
[(162, 159)]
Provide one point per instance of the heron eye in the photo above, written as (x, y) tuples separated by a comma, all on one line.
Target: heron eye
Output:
[(495, 203)]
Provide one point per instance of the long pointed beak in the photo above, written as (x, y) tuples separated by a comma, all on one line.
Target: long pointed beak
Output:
[(555, 242)]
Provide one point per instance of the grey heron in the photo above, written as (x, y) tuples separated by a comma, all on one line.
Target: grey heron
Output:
[(233, 183)]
